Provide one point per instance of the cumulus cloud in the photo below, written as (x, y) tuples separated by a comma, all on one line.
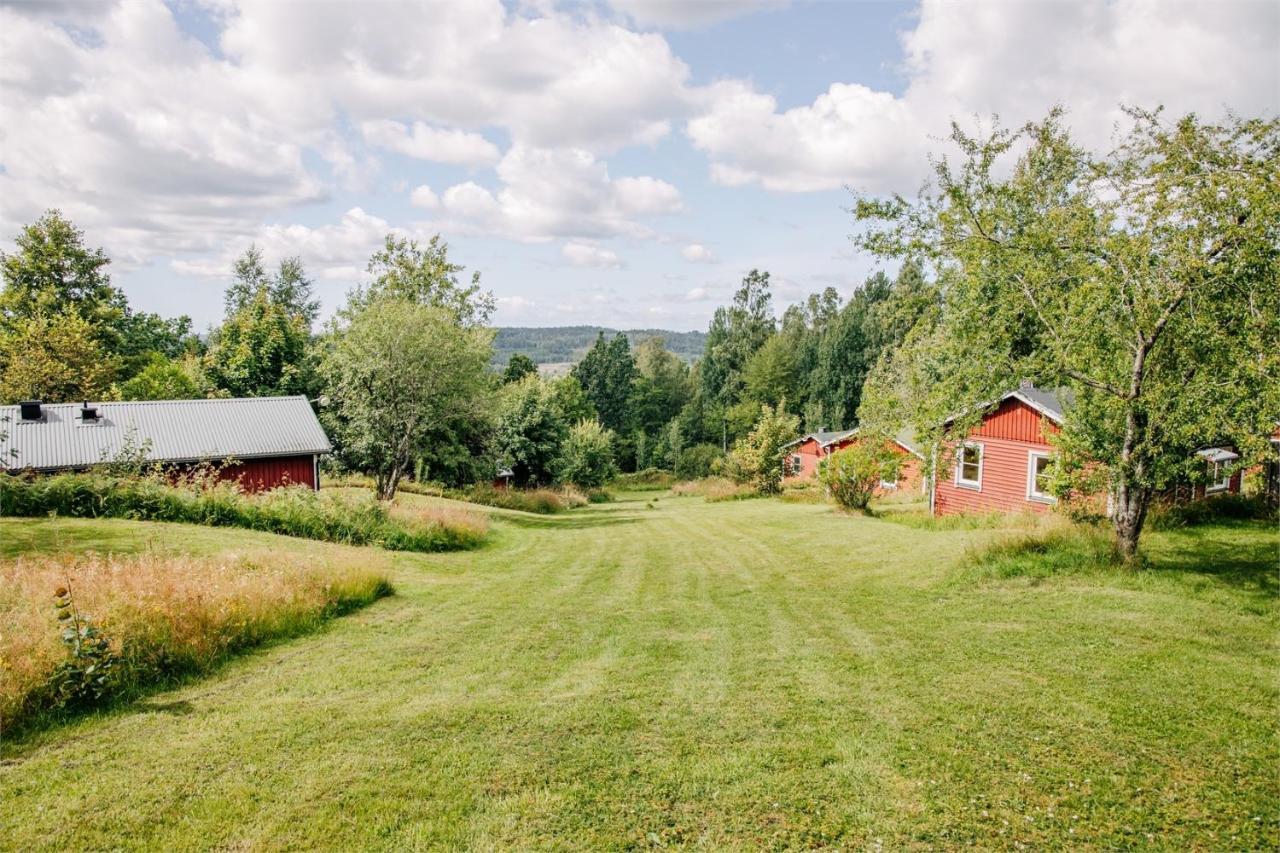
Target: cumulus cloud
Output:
[(586, 255), (424, 196), (1090, 56), (430, 143), (332, 252), (696, 253), (546, 194)]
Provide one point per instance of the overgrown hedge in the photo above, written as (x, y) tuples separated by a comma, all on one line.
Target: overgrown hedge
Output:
[(291, 510)]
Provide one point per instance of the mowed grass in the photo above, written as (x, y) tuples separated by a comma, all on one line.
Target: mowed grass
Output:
[(662, 671)]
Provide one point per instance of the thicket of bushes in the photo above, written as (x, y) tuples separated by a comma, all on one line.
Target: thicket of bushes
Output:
[(82, 632), (648, 480), (292, 510)]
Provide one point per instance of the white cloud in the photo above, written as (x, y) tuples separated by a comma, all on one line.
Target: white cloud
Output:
[(329, 252), (697, 253), (586, 255), (1092, 57), (696, 294), (424, 196), (429, 143), (556, 193)]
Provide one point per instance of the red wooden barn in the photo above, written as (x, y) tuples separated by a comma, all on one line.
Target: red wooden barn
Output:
[(262, 442), (1003, 465), (806, 452)]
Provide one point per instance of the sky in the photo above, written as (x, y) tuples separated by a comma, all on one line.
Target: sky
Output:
[(620, 163)]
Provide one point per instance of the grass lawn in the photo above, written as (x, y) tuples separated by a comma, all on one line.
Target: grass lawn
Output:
[(742, 674)]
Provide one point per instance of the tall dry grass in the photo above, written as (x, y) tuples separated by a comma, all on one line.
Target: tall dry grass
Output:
[(167, 617), (715, 489)]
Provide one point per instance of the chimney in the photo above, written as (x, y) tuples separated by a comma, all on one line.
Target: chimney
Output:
[(1026, 385), (30, 410), (88, 414)]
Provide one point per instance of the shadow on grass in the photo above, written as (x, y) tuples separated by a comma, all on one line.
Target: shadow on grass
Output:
[(1246, 562)]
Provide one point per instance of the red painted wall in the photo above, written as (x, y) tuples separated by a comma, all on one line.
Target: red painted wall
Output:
[(259, 475), (909, 477), (809, 453), (1008, 436)]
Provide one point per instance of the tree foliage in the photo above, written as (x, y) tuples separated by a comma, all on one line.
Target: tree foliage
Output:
[(758, 456), (56, 358), (852, 474), (405, 269), (396, 370), (518, 367), (586, 457), (1144, 282)]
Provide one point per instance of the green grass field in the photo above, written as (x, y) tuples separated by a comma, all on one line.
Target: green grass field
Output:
[(653, 673)]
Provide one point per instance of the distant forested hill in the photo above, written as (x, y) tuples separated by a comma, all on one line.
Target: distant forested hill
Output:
[(563, 344)]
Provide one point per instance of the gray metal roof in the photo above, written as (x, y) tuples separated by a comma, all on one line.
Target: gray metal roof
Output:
[(1047, 402), (178, 431)]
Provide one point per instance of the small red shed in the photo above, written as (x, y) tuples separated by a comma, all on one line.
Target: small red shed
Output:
[(262, 442)]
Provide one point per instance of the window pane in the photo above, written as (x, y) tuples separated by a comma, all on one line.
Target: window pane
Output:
[(1042, 475)]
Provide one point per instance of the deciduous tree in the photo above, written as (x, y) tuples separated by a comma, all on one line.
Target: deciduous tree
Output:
[(1145, 281)]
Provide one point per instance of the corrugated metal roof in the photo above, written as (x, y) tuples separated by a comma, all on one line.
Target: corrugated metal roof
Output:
[(178, 431)]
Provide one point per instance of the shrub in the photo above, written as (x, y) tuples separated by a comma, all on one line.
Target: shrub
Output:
[(851, 475), (156, 619), (290, 510), (757, 457), (701, 460), (586, 457)]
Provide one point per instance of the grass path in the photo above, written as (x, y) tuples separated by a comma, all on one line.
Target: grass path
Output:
[(724, 675)]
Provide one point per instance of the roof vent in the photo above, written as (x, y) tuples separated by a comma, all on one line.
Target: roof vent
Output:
[(30, 410), (88, 414)]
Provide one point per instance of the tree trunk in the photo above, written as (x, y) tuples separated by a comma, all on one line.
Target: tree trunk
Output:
[(1131, 506)]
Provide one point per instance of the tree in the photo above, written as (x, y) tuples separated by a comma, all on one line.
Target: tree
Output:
[(290, 288), (164, 379), (851, 475), (518, 367), (771, 374), (736, 332), (1143, 281), (56, 358), (606, 373), (53, 272), (758, 455), (424, 274), (261, 350), (531, 429), (586, 457), (395, 370)]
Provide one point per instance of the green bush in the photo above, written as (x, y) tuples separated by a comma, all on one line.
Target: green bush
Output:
[(852, 475), (290, 510), (701, 460), (586, 457)]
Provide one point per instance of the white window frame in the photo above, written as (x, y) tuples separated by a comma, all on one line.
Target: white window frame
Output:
[(1215, 486), (982, 455), (1032, 494), (797, 465)]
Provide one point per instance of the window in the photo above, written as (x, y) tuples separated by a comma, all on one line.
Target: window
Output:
[(1219, 477), (1039, 467), (889, 484), (797, 466), (969, 466)]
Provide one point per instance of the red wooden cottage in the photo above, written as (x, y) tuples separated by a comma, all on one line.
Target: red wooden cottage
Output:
[(263, 442), (1003, 465), (806, 452)]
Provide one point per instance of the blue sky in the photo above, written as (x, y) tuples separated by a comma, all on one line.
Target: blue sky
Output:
[(619, 163)]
